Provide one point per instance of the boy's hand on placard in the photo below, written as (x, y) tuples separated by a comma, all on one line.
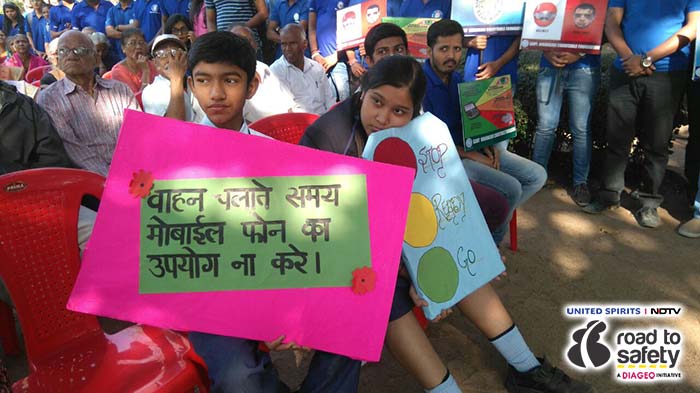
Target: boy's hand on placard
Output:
[(420, 302), (488, 70), (553, 58), (278, 346), (479, 42)]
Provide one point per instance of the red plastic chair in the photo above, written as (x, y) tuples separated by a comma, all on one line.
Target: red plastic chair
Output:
[(36, 74), (514, 231), (68, 351), (287, 127), (107, 75)]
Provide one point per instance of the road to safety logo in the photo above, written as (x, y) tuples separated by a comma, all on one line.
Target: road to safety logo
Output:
[(648, 355)]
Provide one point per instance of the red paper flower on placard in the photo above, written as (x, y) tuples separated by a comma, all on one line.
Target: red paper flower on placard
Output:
[(363, 280), (141, 184)]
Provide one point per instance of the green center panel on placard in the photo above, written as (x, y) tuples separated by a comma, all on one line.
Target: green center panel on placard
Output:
[(201, 235)]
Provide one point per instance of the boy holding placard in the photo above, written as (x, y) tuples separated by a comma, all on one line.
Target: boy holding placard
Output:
[(222, 66)]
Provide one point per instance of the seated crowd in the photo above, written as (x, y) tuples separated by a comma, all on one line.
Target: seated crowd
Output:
[(162, 60)]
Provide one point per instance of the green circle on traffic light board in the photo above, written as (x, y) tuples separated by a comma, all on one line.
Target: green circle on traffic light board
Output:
[(438, 276)]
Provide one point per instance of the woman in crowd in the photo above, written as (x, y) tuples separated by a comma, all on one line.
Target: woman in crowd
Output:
[(392, 93), (198, 17), (136, 70), (12, 20), (22, 56), (4, 52), (181, 27), (107, 59), (55, 74)]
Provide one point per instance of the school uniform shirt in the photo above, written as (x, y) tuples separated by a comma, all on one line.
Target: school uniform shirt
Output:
[(59, 17), (325, 11), (443, 100), (231, 11), (310, 88), (118, 15), (244, 128), (497, 45), (172, 7), (284, 14), (432, 9), (648, 23), (149, 14), (18, 29), (84, 15), (38, 27), (156, 98)]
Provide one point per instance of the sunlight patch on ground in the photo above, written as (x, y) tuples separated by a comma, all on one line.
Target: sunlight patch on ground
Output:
[(573, 263), (570, 223)]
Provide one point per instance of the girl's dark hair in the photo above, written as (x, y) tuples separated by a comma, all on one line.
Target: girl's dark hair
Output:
[(7, 23), (173, 19), (128, 33), (195, 8), (398, 71)]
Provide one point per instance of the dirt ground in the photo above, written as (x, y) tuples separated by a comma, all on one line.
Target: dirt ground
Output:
[(565, 257)]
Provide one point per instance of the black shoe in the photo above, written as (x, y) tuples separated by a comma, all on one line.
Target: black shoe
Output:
[(581, 195), (597, 207), (647, 217), (545, 379)]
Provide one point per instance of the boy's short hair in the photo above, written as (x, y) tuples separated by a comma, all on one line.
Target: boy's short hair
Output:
[(380, 32), (223, 47), (443, 28)]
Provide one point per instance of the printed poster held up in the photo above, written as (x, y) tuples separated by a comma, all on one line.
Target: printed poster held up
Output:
[(564, 25), (416, 30), (448, 248), (487, 112), (355, 21), (203, 229), (489, 17)]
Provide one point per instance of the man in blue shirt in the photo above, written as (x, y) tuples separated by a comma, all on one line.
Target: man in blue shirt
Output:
[(172, 7), (284, 13), (576, 76), (322, 42), (426, 9), (120, 18), (92, 13), (150, 17), (36, 26), (60, 17), (646, 83), (515, 177)]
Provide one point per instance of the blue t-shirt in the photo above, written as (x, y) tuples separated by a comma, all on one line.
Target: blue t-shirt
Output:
[(84, 15), (38, 27), (648, 23), (433, 9), (588, 61), (285, 14), (497, 45), (120, 16), (443, 101), (59, 16), (172, 7), (15, 30), (150, 17), (325, 23)]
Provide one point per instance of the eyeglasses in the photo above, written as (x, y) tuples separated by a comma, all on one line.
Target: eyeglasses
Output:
[(181, 30), (132, 44), (80, 52), (163, 53)]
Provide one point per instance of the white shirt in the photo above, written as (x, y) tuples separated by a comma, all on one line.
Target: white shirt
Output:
[(310, 87), (156, 98), (271, 98), (244, 128)]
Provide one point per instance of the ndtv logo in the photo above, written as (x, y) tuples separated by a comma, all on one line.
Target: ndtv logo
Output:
[(664, 311)]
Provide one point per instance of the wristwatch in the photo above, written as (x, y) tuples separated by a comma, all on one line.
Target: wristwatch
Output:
[(646, 60)]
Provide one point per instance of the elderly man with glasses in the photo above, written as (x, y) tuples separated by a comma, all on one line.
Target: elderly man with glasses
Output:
[(167, 95), (87, 110)]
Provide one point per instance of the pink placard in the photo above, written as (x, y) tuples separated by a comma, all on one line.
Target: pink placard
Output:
[(330, 319)]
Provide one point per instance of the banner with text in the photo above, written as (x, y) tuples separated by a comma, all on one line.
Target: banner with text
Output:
[(564, 25), (204, 229), (355, 21), (487, 112)]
